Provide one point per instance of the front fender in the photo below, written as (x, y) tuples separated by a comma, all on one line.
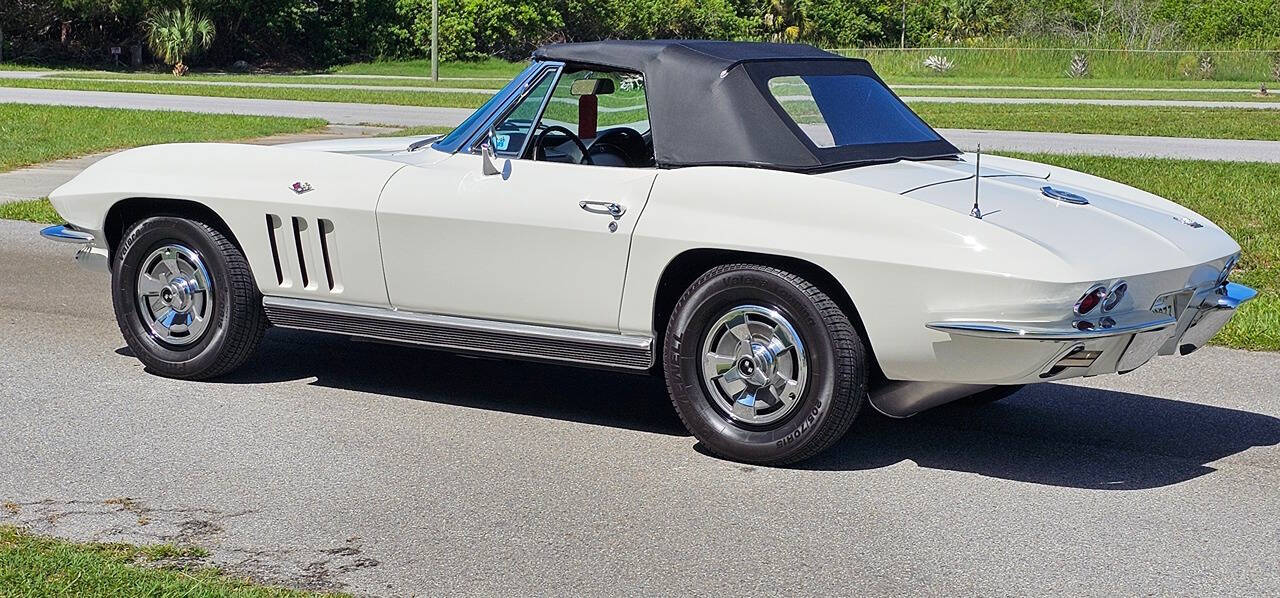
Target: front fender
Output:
[(243, 184)]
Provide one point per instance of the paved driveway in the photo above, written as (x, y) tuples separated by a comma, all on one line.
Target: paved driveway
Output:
[(334, 464)]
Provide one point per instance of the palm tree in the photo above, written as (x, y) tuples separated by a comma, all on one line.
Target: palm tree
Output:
[(785, 21), (176, 33)]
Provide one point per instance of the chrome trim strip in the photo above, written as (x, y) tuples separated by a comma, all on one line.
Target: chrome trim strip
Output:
[(466, 335), (65, 233), (509, 104), (1132, 323)]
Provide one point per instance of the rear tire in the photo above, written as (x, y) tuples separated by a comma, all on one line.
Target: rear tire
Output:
[(185, 299), (762, 366)]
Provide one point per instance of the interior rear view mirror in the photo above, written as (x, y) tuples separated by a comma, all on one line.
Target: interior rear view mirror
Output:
[(592, 87)]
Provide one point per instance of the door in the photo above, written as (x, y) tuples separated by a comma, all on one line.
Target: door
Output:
[(542, 241), (535, 245)]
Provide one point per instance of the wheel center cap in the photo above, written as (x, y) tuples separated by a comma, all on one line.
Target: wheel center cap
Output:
[(177, 295), (746, 366)]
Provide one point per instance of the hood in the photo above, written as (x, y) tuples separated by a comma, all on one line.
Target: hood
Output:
[(385, 148), (1136, 231)]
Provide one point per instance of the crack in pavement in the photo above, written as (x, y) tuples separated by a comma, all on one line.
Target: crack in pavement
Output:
[(134, 521)]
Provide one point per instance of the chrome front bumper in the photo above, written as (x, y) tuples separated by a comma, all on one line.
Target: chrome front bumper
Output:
[(89, 255), (1118, 343)]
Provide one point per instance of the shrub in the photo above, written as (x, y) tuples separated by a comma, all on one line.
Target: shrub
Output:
[(1079, 67), (177, 33), (938, 64)]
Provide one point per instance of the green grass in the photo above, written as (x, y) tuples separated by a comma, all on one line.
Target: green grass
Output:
[(35, 134), (447, 84), (1171, 95), (371, 96), (1049, 63), (417, 132), (35, 566), (1067, 82), (33, 210), (1206, 123), (1240, 197), (13, 66), (491, 68)]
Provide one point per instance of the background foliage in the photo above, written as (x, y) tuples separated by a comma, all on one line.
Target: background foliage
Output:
[(319, 33)]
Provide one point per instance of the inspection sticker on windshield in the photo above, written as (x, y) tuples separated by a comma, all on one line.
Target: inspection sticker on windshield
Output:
[(501, 142)]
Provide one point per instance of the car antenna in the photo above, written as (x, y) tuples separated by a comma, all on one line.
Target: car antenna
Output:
[(977, 178)]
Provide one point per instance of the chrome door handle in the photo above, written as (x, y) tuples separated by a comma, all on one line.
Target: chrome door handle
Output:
[(607, 208)]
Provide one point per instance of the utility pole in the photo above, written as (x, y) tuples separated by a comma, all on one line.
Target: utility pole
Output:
[(435, 40), (904, 24)]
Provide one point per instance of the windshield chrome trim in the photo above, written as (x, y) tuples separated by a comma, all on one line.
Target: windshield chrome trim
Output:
[(534, 76), (515, 86)]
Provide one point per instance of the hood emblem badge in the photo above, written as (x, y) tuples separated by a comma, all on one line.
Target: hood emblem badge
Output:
[(1067, 196), (1188, 222), (301, 187)]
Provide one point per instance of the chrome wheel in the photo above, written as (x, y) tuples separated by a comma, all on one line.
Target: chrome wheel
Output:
[(754, 365), (175, 295)]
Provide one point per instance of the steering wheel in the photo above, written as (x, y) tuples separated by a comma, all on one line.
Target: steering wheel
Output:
[(628, 141), (537, 143)]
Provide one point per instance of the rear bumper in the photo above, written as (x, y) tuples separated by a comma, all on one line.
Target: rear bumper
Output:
[(1041, 352)]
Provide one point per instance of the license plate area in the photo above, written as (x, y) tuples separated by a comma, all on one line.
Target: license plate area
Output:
[(1173, 304)]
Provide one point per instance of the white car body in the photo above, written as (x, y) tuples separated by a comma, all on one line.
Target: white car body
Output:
[(950, 303)]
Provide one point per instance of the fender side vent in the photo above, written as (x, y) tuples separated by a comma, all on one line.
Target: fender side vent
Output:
[(299, 226), (326, 239), (273, 227)]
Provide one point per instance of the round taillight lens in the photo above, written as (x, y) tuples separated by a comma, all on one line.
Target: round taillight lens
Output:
[(1115, 295), (1090, 300)]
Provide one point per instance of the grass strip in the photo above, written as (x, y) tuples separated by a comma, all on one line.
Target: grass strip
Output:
[(36, 134), (35, 566), (1201, 123), (31, 210)]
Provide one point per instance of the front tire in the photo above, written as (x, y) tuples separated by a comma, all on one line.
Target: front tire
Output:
[(762, 366), (185, 299)]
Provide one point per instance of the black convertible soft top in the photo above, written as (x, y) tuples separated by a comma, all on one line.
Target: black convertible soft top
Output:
[(709, 102)]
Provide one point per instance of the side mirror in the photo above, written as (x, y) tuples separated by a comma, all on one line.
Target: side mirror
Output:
[(487, 155)]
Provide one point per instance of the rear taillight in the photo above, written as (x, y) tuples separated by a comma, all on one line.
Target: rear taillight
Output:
[(1091, 300), (1114, 296)]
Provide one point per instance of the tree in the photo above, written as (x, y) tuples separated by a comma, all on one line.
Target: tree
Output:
[(176, 33), (786, 21)]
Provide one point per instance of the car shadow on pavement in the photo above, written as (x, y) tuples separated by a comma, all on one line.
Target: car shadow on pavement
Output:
[(1060, 435), (636, 402), (1054, 434)]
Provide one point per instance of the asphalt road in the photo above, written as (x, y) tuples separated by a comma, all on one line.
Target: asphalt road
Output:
[(379, 470), (407, 116)]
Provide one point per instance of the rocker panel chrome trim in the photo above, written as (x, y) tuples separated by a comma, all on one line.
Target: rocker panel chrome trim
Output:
[(465, 335)]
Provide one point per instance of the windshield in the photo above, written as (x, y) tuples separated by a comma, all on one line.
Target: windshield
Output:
[(847, 110), (456, 136)]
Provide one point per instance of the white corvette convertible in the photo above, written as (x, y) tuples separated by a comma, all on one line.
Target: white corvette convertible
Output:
[(767, 226)]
